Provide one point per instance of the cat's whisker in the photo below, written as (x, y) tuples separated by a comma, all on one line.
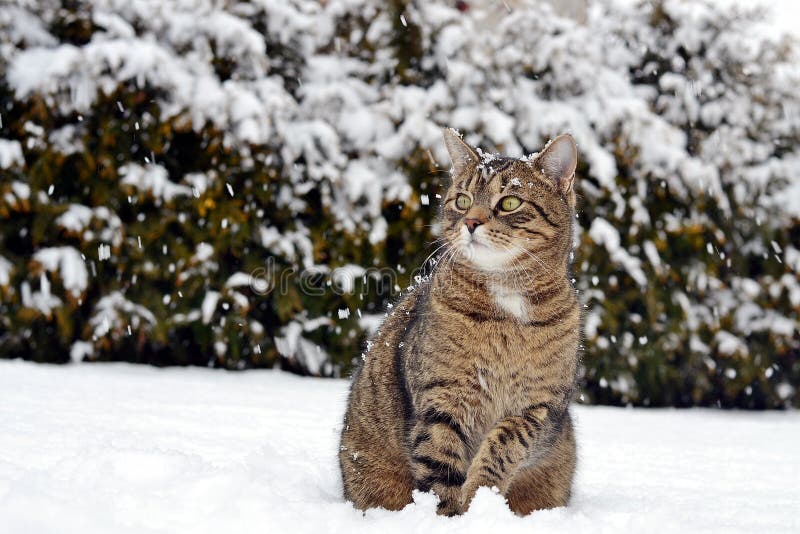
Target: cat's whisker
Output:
[(450, 261), (426, 260), (518, 267), (535, 258), (538, 260), (438, 240), (450, 258)]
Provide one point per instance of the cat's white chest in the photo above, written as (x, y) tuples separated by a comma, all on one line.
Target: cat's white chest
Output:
[(512, 302)]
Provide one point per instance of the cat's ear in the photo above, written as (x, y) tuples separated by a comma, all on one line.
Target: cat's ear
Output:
[(558, 161), (461, 154)]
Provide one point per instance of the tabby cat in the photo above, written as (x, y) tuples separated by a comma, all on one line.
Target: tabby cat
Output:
[(468, 380)]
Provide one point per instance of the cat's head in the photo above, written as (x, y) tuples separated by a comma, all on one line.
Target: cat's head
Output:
[(502, 213)]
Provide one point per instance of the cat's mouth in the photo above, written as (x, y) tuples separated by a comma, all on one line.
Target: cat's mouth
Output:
[(482, 254)]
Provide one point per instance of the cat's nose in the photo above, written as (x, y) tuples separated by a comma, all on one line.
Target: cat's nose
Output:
[(472, 224)]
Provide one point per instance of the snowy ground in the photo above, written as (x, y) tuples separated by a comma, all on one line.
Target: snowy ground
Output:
[(120, 448)]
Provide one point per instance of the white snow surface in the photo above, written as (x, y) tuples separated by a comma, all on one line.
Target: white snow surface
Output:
[(121, 448)]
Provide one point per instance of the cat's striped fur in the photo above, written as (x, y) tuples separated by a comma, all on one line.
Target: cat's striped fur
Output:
[(469, 379)]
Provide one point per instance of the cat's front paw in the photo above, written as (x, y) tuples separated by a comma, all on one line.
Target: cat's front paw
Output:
[(449, 507), (449, 502), (467, 493), (469, 488)]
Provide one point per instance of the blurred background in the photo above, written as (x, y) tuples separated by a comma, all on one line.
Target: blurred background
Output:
[(227, 183)]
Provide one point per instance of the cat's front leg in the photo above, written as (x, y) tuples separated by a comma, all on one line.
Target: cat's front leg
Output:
[(505, 449), (439, 457)]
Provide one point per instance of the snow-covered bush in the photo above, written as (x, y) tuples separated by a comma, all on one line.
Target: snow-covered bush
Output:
[(236, 184)]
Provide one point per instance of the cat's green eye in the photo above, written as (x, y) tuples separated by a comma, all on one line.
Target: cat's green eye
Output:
[(463, 202), (510, 203)]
